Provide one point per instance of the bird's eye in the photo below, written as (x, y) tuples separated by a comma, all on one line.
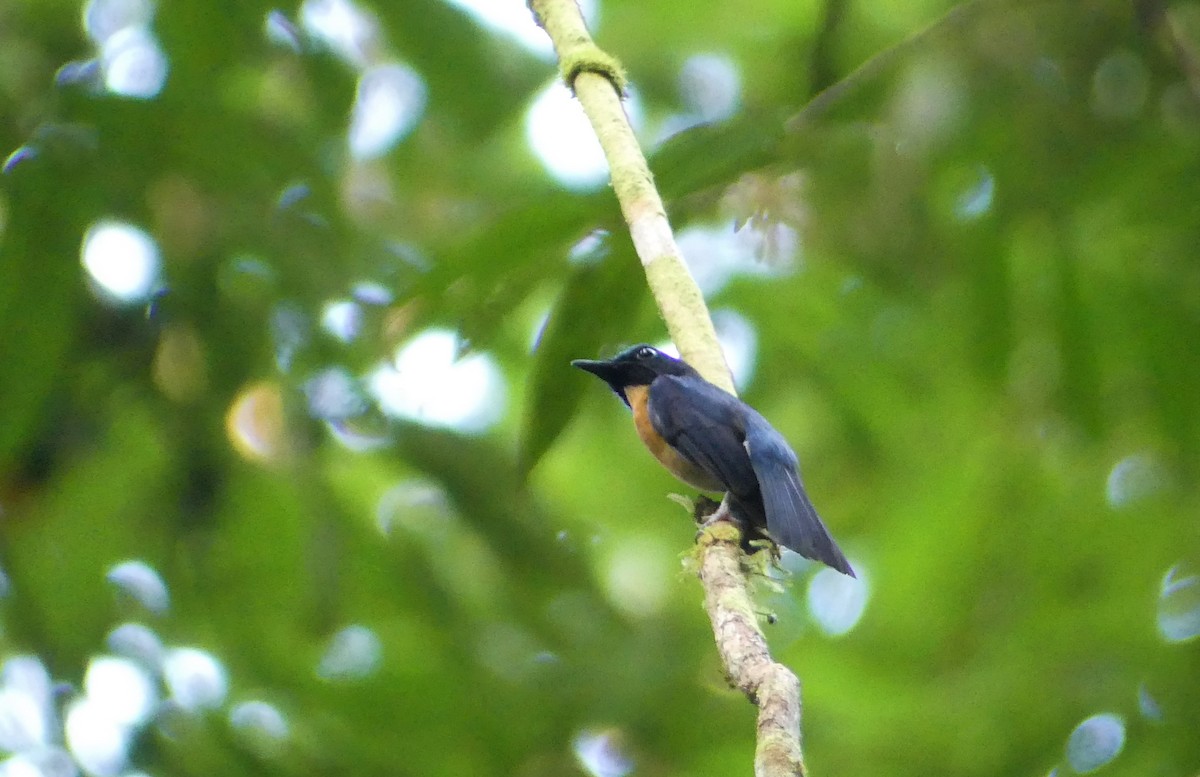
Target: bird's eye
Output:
[(646, 353)]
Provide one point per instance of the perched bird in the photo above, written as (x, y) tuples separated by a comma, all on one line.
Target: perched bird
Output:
[(713, 441)]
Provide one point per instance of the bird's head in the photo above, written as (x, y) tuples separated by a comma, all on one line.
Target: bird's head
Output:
[(638, 365)]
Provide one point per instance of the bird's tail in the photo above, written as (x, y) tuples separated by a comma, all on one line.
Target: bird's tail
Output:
[(791, 519)]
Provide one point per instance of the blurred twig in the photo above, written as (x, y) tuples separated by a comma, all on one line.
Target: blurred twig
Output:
[(598, 82), (832, 94)]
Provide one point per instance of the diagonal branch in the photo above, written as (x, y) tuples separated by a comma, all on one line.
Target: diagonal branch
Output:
[(744, 652), (598, 82)]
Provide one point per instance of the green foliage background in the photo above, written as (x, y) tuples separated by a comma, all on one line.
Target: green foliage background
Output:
[(959, 388)]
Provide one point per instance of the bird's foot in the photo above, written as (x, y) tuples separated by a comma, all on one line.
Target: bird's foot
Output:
[(708, 511), (716, 522), (710, 514)]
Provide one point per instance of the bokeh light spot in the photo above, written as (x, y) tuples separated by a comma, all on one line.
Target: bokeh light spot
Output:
[(591, 248), (1179, 605), (836, 601), (133, 63), (560, 136), (514, 19), (342, 319), (98, 742), (22, 154), (711, 86), (1133, 479), (290, 332), (342, 26), (23, 720), (739, 342), (716, 253), (121, 260), (50, 761), (373, 292), (1096, 742), (417, 506), (195, 678), (1147, 705), (353, 653), (601, 753), (104, 18), (977, 199), (254, 423), (83, 73), (333, 395), (28, 674), (427, 383), (121, 688), (260, 724), (389, 103), (138, 642), (282, 31), (26, 704), (142, 583), (361, 434)]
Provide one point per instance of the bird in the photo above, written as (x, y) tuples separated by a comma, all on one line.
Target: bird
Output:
[(715, 442)]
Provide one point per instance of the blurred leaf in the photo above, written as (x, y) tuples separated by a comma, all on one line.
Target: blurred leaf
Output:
[(105, 507), (488, 275), (38, 314), (598, 303), (482, 481), (709, 155)]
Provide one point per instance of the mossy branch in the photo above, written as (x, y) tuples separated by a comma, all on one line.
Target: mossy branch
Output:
[(744, 652), (598, 81)]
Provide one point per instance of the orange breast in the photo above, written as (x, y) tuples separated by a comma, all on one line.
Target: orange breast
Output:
[(639, 398)]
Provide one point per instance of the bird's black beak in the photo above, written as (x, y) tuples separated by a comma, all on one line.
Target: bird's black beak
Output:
[(607, 371), (604, 370)]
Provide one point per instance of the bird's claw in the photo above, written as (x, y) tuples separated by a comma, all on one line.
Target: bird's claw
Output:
[(708, 511), (716, 522)]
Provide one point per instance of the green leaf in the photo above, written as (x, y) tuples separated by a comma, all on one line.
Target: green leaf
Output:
[(597, 305), (40, 295)]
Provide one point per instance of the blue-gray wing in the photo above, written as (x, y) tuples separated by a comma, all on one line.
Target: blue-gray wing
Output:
[(791, 518), (704, 424)]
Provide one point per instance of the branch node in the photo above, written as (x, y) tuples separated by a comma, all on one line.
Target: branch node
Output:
[(590, 58)]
